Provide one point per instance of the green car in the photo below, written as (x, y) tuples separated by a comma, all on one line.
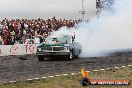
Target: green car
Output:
[(63, 47)]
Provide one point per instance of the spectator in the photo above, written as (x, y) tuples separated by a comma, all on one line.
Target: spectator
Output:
[(13, 31)]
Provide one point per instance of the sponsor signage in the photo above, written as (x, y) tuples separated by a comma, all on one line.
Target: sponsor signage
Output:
[(18, 49)]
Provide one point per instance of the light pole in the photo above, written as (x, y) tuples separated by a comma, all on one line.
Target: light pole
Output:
[(104, 4), (82, 11)]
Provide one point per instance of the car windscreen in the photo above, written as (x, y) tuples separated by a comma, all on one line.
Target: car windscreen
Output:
[(63, 40)]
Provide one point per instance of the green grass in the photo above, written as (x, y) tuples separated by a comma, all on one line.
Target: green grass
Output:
[(73, 81)]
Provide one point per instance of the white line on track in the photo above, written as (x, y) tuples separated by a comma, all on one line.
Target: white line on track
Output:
[(123, 66), (64, 74), (5, 82), (57, 75), (36, 78), (43, 77), (12, 81), (107, 68), (116, 67), (29, 79), (129, 65), (95, 70), (102, 69), (79, 72), (50, 76), (73, 73)]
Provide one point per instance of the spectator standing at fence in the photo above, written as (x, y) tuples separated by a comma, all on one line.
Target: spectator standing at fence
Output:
[(1, 41), (5, 41)]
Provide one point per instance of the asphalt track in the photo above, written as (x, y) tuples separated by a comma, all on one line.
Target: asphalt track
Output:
[(13, 68)]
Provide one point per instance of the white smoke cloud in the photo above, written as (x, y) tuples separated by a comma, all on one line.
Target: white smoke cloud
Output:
[(108, 33)]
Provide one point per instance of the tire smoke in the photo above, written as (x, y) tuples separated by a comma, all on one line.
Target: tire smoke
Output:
[(109, 33)]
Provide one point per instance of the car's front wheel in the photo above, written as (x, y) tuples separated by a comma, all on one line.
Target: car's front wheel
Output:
[(40, 58), (70, 56)]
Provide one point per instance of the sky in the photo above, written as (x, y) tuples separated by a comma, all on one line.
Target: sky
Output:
[(45, 8)]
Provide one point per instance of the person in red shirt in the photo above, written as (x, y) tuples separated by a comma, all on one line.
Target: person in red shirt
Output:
[(5, 41)]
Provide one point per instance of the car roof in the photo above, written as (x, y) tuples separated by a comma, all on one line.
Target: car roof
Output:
[(60, 36)]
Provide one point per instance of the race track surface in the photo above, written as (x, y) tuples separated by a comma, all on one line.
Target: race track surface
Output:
[(13, 68)]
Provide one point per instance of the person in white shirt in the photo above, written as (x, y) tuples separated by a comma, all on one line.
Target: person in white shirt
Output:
[(36, 40)]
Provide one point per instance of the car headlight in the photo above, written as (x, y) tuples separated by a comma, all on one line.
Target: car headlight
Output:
[(39, 49), (65, 48)]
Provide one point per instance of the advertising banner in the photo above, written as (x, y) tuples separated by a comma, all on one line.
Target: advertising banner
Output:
[(18, 49)]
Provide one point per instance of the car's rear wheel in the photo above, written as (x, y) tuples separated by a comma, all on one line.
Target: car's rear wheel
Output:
[(40, 58)]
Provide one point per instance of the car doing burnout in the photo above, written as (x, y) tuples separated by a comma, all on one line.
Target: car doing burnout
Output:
[(59, 46)]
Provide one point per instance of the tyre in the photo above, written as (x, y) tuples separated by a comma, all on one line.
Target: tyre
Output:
[(40, 58), (70, 56), (80, 51), (76, 56)]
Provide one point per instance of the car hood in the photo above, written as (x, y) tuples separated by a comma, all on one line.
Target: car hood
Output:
[(46, 45)]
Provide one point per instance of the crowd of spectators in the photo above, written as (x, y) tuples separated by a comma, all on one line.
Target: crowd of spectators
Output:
[(18, 30)]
